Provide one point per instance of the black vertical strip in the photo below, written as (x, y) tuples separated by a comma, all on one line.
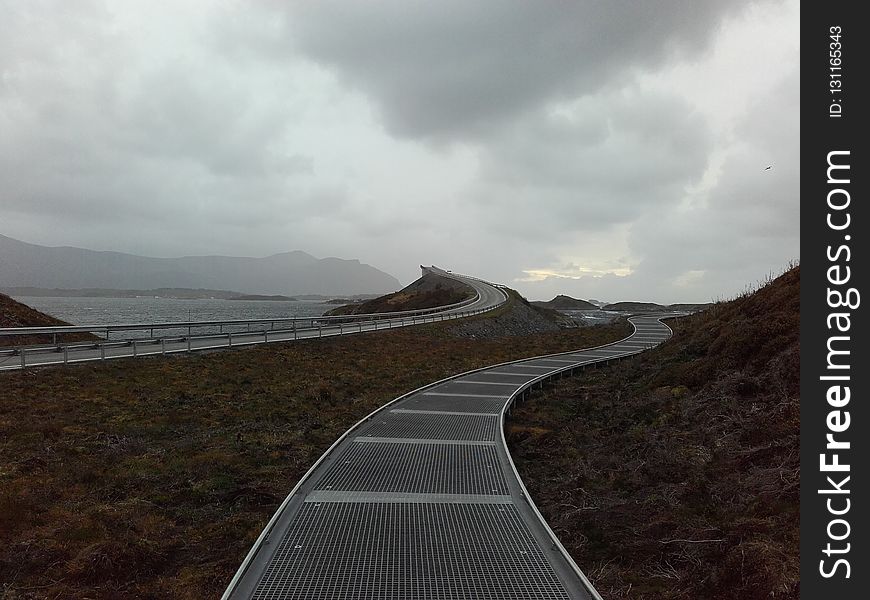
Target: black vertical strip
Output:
[(833, 313)]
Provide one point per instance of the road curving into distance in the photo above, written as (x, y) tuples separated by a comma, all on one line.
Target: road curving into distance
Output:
[(488, 297), (421, 499)]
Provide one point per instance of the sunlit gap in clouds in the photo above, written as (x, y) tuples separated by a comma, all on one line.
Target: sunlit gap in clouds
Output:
[(575, 273)]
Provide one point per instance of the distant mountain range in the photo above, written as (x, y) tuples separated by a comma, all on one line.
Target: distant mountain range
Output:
[(289, 273)]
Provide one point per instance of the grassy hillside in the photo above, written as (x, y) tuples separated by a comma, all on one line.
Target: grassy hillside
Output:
[(562, 302), (151, 478), (675, 475)]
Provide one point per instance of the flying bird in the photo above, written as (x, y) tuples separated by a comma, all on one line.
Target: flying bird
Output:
[(768, 167)]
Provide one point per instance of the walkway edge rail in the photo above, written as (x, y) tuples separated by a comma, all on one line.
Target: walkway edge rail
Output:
[(506, 410)]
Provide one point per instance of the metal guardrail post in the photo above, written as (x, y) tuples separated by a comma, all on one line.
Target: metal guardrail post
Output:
[(319, 330), (230, 339), (65, 355), (134, 348), (162, 345), (23, 360), (266, 336), (102, 352), (188, 343)]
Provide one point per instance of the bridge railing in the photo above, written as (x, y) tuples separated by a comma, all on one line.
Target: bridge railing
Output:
[(186, 338), (190, 326)]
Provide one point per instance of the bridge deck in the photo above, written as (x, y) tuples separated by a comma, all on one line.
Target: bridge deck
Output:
[(422, 501)]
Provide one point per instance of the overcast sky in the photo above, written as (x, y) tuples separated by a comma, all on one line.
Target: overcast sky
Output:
[(606, 149)]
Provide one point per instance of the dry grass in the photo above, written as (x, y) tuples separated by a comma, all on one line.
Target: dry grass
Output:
[(151, 478), (675, 475)]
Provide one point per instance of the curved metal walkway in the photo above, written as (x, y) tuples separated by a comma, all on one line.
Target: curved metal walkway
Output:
[(421, 500)]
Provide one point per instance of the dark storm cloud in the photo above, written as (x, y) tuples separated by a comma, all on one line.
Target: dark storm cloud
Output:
[(566, 144), (457, 69)]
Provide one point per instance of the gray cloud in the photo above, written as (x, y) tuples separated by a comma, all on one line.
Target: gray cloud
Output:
[(742, 229), (96, 126), (554, 174), (458, 69)]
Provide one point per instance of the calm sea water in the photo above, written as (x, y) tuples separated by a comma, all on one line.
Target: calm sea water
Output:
[(593, 317), (98, 311)]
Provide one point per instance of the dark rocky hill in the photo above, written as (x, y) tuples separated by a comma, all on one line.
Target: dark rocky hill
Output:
[(429, 291), (562, 302), (16, 314)]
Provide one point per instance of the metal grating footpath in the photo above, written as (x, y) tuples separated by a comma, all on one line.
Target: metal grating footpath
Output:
[(369, 551), (443, 401), (421, 501), (416, 468), (445, 426)]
